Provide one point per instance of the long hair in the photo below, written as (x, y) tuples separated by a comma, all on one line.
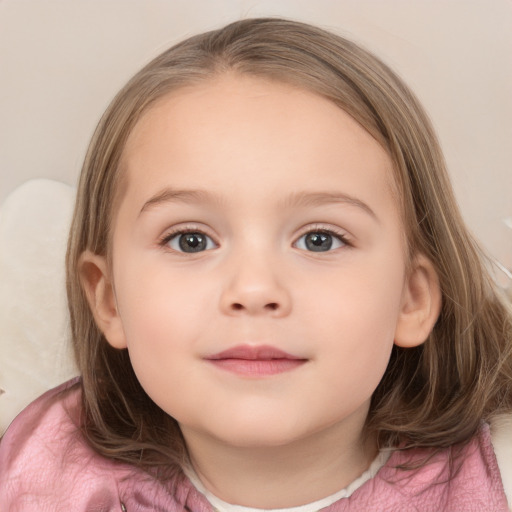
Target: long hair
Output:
[(433, 395)]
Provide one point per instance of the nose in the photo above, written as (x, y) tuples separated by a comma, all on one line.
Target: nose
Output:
[(255, 286)]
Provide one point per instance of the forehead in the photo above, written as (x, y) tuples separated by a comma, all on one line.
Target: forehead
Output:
[(247, 125)]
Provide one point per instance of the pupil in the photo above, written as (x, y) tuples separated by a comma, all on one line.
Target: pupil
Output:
[(318, 242), (192, 242)]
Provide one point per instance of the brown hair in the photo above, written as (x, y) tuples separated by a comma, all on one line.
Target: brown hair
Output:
[(435, 394)]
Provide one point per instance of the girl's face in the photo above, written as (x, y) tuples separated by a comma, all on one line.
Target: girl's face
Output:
[(258, 262)]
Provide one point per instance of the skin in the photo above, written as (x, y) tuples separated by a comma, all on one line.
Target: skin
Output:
[(256, 155)]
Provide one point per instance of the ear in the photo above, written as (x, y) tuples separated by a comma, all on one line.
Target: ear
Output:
[(99, 290), (421, 304)]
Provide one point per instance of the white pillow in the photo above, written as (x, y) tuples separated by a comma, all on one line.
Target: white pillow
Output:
[(34, 342)]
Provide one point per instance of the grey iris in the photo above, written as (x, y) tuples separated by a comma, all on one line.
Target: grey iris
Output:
[(318, 242)]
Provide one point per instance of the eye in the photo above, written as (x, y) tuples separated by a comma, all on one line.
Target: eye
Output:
[(320, 241), (189, 242)]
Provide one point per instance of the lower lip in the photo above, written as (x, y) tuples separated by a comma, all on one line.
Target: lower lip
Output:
[(257, 367)]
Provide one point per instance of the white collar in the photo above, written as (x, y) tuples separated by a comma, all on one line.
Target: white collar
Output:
[(221, 506)]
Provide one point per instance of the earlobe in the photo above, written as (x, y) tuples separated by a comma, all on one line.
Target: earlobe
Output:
[(99, 290), (421, 304)]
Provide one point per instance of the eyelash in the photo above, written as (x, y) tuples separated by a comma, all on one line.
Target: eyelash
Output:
[(164, 241), (342, 237), (335, 233)]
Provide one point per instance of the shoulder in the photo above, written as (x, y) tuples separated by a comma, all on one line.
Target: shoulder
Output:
[(464, 476), (47, 465), (43, 455), (46, 422), (501, 436)]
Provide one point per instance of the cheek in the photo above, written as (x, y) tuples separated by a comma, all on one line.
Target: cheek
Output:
[(163, 331), (160, 315), (366, 299), (160, 312), (355, 317)]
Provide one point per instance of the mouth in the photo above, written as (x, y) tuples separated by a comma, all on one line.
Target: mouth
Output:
[(255, 361)]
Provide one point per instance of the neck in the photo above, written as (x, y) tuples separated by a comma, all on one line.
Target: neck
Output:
[(295, 474)]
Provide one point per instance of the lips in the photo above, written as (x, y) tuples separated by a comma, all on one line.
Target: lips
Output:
[(261, 360)]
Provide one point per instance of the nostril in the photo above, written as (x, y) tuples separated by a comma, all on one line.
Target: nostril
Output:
[(271, 306)]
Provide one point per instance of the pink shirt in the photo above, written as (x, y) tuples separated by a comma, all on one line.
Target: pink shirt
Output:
[(45, 465)]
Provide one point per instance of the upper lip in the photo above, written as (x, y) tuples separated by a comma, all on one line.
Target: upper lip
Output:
[(253, 352)]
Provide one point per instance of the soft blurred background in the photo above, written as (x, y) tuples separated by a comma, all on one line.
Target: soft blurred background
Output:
[(61, 62)]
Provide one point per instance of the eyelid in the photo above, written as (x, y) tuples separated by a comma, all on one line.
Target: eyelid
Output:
[(325, 228), (180, 229), (329, 229)]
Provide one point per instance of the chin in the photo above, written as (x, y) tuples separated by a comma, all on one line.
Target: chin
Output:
[(268, 434)]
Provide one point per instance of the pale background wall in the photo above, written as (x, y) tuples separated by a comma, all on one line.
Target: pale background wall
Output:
[(61, 61)]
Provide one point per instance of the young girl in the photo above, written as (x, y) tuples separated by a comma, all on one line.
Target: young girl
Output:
[(274, 301)]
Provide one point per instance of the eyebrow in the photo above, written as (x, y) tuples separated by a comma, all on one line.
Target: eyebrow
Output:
[(169, 195), (305, 199), (295, 200)]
